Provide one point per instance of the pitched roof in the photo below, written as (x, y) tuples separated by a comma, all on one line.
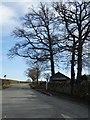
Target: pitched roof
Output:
[(59, 76)]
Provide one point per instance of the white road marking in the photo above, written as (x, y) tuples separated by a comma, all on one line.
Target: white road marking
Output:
[(65, 116)]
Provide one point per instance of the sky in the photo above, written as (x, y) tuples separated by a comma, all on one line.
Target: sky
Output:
[(10, 14)]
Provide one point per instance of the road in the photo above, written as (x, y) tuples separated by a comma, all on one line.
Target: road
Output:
[(22, 102), (0, 104)]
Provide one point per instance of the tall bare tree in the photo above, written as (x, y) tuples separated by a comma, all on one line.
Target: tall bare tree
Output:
[(83, 24), (38, 36), (75, 19)]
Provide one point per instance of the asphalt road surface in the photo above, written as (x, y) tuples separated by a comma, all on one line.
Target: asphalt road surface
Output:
[(22, 102), (0, 104)]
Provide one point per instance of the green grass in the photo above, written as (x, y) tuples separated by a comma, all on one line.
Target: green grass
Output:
[(7, 86)]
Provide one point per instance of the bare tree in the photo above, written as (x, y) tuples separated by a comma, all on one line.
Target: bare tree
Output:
[(38, 36), (76, 21), (33, 73), (83, 24)]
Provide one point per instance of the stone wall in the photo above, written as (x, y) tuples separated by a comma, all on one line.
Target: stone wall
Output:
[(80, 90)]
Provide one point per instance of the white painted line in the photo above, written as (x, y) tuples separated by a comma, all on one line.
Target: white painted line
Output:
[(65, 116)]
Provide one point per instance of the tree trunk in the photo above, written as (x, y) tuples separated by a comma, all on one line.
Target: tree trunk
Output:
[(51, 53), (79, 62), (72, 70), (52, 63), (79, 67)]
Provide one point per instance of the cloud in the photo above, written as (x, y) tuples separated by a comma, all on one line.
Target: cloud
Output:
[(24, 6), (6, 15), (11, 12), (18, 1), (23, 1), (8, 19)]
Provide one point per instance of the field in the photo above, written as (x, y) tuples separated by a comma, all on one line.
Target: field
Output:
[(5, 83)]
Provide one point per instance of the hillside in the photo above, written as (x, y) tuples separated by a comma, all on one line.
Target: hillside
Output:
[(4, 83)]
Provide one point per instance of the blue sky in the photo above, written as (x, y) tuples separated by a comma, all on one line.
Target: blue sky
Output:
[(10, 14)]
